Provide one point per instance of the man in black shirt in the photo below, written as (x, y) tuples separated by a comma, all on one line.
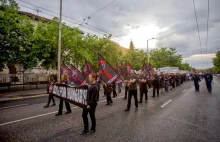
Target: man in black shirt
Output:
[(92, 98), (132, 84), (143, 86)]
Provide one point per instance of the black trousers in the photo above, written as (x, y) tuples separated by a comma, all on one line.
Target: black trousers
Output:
[(119, 88), (109, 98), (142, 92), (49, 99), (114, 92), (154, 89), (61, 107), (130, 94), (126, 92), (91, 112)]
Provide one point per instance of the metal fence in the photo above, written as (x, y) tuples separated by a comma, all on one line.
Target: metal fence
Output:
[(23, 81)]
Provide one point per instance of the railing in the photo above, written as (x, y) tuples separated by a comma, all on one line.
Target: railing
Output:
[(22, 81), (74, 95)]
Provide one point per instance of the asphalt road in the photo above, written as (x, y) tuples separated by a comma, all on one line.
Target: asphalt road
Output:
[(179, 115)]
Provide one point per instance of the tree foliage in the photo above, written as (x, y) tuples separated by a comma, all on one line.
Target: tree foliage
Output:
[(22, 42), (216, 62)]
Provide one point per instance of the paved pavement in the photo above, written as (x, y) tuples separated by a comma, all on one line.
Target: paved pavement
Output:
[(17, 95), (180, 115)]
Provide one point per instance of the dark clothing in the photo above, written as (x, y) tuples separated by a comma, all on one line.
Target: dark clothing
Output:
[(143, 88), (126, 92), (91, 112), (156, 85), (208, 80), (49, 99), (130, 94), (196, 80), (114, 89), (92, 94), (133, 86), (92, 98), (109, 90), (68, 108)]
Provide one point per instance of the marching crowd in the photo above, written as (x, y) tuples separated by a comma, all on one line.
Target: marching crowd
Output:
[(160, 82)]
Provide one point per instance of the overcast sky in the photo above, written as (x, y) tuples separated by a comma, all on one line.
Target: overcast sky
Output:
[(171, 22)]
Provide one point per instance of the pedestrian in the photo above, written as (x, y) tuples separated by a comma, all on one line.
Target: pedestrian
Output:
[(196, 80), (109, 89), (208, 79), (92, 98), (132, 90), (114, 89), (68, 108), (126, 90), (162, 80), (156, 84), (52, 81), (143, 86)]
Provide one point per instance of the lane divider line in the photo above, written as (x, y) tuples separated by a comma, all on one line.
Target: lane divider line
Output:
[(184, 90), (14, 106), (166, 103)]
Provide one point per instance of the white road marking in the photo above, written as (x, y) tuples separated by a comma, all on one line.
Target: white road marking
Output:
[(14, 106), (184, 90), (28, 118), (166, 103)]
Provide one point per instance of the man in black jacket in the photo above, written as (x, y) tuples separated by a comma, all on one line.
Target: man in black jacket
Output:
[(92, 98)]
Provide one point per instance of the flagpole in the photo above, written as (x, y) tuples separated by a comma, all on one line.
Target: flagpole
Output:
[(59, 44)]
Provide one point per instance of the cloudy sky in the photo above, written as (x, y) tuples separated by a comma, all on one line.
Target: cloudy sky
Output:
[(171, 22)]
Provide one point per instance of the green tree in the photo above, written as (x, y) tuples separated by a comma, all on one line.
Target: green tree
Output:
[(15, 36), (216, 63)]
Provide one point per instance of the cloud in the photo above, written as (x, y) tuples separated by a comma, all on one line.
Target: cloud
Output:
[(171, 22)]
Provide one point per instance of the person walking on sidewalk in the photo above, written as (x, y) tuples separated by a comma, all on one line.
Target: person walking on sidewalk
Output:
[(132, 91), (92, 98), (65, 81), (49, 91)]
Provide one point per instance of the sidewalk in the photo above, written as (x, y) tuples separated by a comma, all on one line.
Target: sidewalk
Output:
[(17, 95)]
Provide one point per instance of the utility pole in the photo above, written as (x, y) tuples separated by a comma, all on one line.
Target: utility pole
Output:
[(59, 44)]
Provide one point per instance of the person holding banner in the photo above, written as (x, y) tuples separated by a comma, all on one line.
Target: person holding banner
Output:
[(132, 91), (92, 98), (68, 108)]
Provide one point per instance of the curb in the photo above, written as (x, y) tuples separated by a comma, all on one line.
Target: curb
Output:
[(22, 98)]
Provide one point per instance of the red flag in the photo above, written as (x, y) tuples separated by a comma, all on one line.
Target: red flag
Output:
[(87, 68), (150, 70), (107, 72), (65, 70), (76, 76)]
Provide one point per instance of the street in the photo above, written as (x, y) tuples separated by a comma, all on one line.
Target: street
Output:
[(178, 115)]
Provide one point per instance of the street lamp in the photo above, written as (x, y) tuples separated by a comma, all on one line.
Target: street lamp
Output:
[(148, 52)]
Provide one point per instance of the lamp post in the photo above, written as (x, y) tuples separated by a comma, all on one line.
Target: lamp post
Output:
[(59, 44), (148, 57)]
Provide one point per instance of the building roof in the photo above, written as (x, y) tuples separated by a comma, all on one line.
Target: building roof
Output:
[(33, 16)]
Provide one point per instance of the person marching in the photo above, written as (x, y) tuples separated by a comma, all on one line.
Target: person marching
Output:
[(50, 90), (167, 82), (65, 81), (208, 79), (132, 84), (108, 89), (143, 86), (126, 90), (114, 89), (196, 80), (92, 98), (162, 79), (156, 84)]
